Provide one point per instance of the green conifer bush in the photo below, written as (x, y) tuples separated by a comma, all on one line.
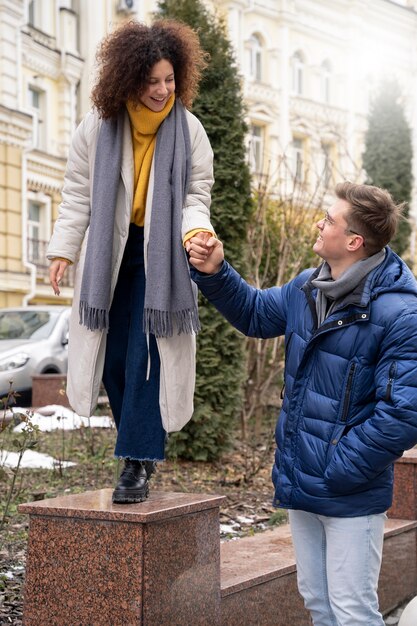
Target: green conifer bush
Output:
[(387, 158), (220, 349)]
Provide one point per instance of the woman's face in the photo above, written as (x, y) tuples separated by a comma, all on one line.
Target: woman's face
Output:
[(160, 86)]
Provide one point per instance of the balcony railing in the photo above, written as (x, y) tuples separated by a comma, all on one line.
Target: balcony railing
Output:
[(37, 255)]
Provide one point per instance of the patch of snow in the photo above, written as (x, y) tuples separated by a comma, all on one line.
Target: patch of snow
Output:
[(245, 520), (54, 416), (31, 459), (230, 529)]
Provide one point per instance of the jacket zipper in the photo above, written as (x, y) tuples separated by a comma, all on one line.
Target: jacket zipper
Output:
[(390, 382), (285, 367), (348, 392)]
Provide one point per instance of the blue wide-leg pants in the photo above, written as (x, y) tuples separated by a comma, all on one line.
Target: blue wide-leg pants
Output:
[(134, 400)]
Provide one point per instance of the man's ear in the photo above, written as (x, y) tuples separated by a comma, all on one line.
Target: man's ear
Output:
[(355, 242)]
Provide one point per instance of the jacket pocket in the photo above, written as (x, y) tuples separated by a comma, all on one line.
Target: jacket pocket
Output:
[(341, 428), (338, 432), (348, 393)]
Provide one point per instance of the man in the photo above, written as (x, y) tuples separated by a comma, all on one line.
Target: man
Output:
[(350, 403)]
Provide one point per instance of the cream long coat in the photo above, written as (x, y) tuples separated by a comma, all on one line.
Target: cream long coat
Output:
[(86, 348)]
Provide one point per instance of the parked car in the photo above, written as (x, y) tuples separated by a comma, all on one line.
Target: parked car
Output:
[(33, 340)]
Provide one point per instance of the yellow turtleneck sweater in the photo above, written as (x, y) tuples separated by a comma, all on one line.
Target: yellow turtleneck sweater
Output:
[(144, 124)]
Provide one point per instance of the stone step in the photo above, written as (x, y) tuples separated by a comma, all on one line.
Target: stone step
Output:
[(257, 570)]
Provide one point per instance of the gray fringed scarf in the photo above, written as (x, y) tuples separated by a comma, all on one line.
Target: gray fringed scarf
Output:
[(331, 291), (96, 281), (170, 302)]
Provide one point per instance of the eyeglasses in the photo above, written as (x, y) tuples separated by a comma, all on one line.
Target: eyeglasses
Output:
[(327, 219)]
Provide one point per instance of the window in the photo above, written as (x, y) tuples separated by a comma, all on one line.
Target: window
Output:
[(34, 232), (326, 170), (38, 227), (255, 58), (325, 81), (35, 14), (298, 73), (298, 159), (40, 16), (31, 13), (36, 103), (256, 148)]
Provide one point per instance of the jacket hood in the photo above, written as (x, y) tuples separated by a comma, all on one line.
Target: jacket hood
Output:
[(393, 275)]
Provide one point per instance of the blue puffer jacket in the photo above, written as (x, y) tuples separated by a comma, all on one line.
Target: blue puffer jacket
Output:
[(350, 402)]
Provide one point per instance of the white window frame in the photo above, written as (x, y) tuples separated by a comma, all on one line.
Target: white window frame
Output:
[(298, 73), (42, 226), (31, 13), (326, 72), (298, 166), (38, 110), (255, 57), (41, 15), (256, 147), (326, 173)]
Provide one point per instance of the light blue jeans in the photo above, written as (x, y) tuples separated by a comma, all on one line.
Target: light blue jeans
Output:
[(338, 564)]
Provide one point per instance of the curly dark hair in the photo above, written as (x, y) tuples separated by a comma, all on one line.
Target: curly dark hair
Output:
[(126, 56)]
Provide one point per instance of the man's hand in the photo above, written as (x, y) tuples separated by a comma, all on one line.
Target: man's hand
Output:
[(56, 272), (206, 256)]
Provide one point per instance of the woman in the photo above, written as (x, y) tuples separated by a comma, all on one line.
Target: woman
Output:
[(137, 187)]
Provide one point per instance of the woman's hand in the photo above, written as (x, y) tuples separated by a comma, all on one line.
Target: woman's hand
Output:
[(206, 255), (203, 236), (56, 273)]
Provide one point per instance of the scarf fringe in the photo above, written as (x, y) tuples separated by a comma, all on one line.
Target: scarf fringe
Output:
[(162, 323), (92, 318)]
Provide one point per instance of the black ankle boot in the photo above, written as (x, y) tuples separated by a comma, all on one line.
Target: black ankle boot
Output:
[(132, 485), (150, 467)]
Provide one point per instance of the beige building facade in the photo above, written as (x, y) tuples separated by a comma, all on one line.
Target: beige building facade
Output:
[(308, 67), (40, 72)]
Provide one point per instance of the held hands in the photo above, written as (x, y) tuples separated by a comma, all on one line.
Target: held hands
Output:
[(56, 272), (205, 253)]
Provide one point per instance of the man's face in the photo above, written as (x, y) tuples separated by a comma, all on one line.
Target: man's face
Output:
[(334, 234)]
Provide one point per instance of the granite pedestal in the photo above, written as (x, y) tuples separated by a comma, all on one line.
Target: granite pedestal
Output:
[(49, 389), (404, 504), (93, 563)]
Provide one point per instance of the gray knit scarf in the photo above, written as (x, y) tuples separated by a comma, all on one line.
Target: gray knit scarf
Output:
[(170, 301), (331, 291)]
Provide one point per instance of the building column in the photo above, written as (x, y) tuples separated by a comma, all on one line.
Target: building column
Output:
[(11, 20), (284, 87)]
